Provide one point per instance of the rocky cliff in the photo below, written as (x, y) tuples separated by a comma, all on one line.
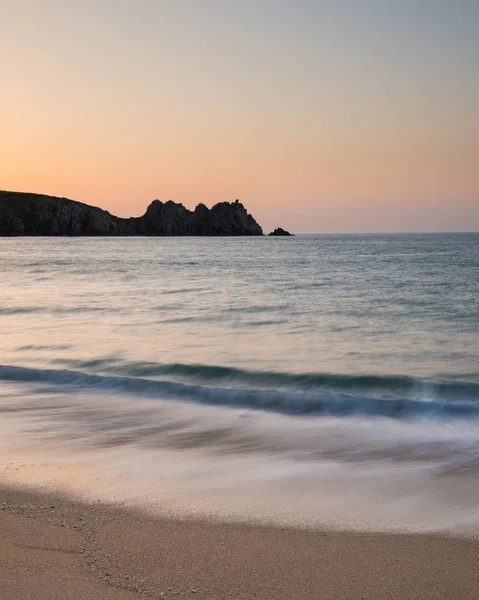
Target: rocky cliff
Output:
[(34, 214)]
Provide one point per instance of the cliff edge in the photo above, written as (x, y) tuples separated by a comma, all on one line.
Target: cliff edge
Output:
[(39, 215)]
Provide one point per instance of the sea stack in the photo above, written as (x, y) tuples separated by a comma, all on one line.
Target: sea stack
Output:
[(280, 231)]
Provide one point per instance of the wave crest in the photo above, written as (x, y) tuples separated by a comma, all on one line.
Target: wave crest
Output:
[(301, 395)]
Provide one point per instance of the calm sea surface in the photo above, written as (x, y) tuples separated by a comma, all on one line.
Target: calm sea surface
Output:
[(314, 380)]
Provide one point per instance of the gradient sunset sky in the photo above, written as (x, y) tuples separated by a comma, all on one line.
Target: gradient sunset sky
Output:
[(319, 115)]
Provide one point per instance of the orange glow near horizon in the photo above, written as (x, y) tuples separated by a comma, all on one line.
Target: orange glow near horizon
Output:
[(313, 129)]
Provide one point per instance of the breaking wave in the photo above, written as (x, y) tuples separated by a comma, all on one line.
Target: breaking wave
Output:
[(313, 394)]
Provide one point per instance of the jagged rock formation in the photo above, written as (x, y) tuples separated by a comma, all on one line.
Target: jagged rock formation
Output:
[(35, 214), (280, 231)]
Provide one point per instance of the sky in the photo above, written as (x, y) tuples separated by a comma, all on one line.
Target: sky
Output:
[(319, 115)]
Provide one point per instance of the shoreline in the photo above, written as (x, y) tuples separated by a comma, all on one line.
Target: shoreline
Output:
[(59, 547)]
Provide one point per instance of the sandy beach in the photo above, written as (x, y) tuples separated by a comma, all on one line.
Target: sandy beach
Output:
[(52, 548), (239, 300)]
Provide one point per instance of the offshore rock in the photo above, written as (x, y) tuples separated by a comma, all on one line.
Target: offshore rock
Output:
[(280, 231), (36, 214)]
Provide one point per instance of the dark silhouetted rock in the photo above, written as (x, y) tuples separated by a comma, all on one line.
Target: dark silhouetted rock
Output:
[(35, 214), (280, 231), (228, 218)]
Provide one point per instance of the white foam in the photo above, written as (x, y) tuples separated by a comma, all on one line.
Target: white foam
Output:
[(186, 460)]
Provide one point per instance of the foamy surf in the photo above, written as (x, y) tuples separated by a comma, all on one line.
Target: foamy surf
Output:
[(328, 382), (181, 459)]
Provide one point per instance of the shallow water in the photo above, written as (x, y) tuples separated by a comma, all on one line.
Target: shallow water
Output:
[(315, 380)]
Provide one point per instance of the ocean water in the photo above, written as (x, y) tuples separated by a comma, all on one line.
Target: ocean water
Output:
[(314, 381)]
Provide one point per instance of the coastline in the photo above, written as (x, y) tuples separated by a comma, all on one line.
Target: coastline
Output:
[(28, 214), (65, 548)]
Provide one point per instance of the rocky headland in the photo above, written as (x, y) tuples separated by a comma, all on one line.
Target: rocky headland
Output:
[(39, 215)]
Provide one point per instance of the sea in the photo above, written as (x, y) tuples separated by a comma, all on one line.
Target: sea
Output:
[(318, 381)]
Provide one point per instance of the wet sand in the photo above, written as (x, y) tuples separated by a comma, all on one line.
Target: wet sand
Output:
[(55, 548)]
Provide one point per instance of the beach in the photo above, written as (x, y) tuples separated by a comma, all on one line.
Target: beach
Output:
[(296, 432), (239, 300), (54, 547)]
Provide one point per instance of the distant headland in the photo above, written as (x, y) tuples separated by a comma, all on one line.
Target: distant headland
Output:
[(24, 214)]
